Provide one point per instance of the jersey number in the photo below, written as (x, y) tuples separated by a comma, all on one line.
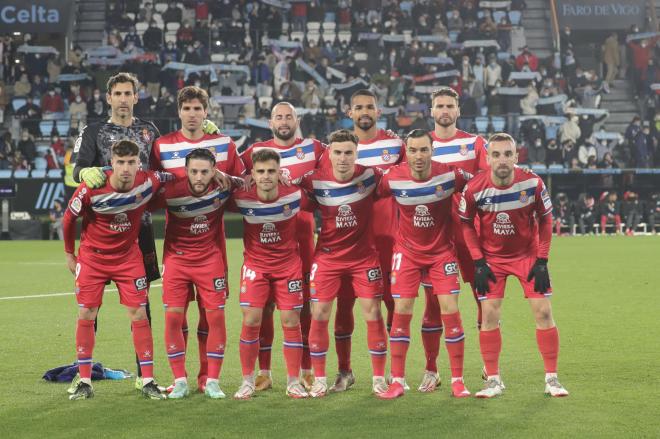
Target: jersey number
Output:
[(396, 261), (248, 274), (313, 271)]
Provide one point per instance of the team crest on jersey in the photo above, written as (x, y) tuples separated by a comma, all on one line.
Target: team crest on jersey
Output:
[(386, 156), (360, 187), (422, 217), (300, 154), (463, 150), (286, 210), (439, 191), (345, 217), (216, 203), (199, 225), (269, 234), (120, 223), (146, 135), (503, 225), (138, 198), (524, 197)]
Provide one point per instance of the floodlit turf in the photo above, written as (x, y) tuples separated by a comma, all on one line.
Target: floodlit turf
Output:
[(606, 307)]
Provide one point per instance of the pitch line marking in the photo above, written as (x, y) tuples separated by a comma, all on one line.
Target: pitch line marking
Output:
[(38, 296)]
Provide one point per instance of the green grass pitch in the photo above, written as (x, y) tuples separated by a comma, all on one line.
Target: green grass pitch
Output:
[(605, 303)]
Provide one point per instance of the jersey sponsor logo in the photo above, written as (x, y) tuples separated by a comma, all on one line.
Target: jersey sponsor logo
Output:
[(200, 225), (269, 234), (295, 286), (345, 217), (141, 283), (374, 274), (219, 283), (503, 225), (451, 269), (76, 206), (422, 217), (120, 223)]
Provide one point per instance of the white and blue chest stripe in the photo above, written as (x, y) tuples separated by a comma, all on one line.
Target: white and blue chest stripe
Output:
[(457, 150), (118, 202), (257, 212), (331, 193), (190, 206), (518, 196), (438, 188), (296, 155), (174, 155), (381, 152)]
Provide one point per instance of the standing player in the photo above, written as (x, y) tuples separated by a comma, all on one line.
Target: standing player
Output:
[(272, 270), (514, 213), (380, 149), (465, 151), (109, 251), (345, 250), (169, 153), (423, 192), (297, 157), (193, 256)]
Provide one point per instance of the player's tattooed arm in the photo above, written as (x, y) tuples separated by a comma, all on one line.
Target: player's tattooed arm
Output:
[(71, 262)]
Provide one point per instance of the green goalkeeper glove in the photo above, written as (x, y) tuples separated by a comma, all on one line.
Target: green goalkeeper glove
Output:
[(209, 127), (93, 177)]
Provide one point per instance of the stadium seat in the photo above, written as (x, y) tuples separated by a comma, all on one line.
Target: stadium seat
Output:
[(267, 99), (40, 163), (170, 37), (300, 36), (313, 26), (480, 14), (330, 17), (5, 173), (498, 123), (360, 56), (482, 124), (54, 173), (141, 27), (63, 127), (46, 128), (160, 7), (329, 26), (407, 36), (122, 35), (17, 103), (536, 168), (498, 15), (344, 36), (514, 17), (233, 57), (38, 173), (218, 57), (172, 26), (313, 36), (449, 14), (21, 173), (131, 15), (453, 36)]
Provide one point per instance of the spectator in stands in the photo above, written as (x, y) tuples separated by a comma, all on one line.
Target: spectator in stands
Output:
[(526, 57), (146, 13), (610, 212), (4, 99), (132, 37), (569, 130), (76, 56), (585, 152), (7, 151), (641, 54), (562, 214), (643, 148), (566, 39), (19, 162), (585, 211), (97, 107), (608, 162), (153, 37), (632, 212), (298, 14), (569, 154), (454, 21), (653, 211), (30, 114), (492, 73), (528, 103), (633, 128), (611, 59), (52, 161), (504, 33), (27, 147), (52, 105), (56, 214), (488, 28), (23, 87), (39, 86), (190, 56), (173, 13), (78, 112), (311, 96), (54, 68)]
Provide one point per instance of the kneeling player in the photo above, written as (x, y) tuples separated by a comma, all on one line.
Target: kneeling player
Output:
[(423, 192), (192, 256), (345, 250), (515, 217), (272, 270), (109, 251)]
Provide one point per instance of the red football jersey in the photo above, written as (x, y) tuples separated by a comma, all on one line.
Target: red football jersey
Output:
[(346, 211), (111, 219), (424, 206), (169, 153), (269, 235), (508, 216), (295, 161), (465, 151), (193, 221)]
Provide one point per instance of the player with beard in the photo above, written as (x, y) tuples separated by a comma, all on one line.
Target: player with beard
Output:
[(297, 157)]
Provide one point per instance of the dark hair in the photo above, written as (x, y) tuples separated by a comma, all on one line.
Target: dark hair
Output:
[(363, 92), (418, 133), (444, 91), (122, 78), (191, 92), (125, 148), (501, 137), (265, 155), (342, 136), (201, 154)]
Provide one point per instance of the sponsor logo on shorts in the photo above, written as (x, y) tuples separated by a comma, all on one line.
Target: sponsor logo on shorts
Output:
[(219, 283), (451, 269), (120, 223), (141, 283), (374, 274), (295, 285)]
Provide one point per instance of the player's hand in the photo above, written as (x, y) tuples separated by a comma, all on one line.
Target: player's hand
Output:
[(223, 180), (93, 177), (209, 127), (391, 134), (482, 274), (285, 179), (71, 262), (238, 182), (539, 273), (248, 181)]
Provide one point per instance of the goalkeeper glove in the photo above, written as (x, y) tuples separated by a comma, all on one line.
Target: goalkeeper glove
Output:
[(93, 177), (539, 273), (482, 273), (209, 127)]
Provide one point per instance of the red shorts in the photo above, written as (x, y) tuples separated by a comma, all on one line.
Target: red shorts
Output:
[(364, 277), (305, 226), (441, 272), (209, 278), (284, 287), (126, 269), (519, 268)]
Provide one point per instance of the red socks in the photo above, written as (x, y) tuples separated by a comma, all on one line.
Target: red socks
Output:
[(293, 349), (175, 343), (202, 335), (144, 346), (455, 342), (319, 340), (491, 346), (431, 330), (249, 348), (377, 342), (266, 335), (215, 343), (548, 341), (305, 324), (399, 342), (85, 347), (344, 325)]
